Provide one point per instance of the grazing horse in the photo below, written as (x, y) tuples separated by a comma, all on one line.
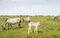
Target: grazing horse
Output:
[(11, 21), (26, 19), (35, 24)]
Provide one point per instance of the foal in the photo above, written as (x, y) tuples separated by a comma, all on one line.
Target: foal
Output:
[(35, 24)]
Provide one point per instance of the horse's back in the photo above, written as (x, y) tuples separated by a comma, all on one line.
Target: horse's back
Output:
[(13, 20), (34, 23), (27, 18)]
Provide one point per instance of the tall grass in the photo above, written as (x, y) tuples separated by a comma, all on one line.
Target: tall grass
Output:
[(49, 28)]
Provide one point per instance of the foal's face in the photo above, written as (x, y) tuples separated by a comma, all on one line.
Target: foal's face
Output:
[(39, 23)]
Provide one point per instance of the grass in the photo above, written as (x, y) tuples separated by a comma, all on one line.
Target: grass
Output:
[(49, 28)]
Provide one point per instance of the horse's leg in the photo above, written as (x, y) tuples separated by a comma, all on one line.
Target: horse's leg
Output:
[(35, 30), (29, 29), (8, 26), (19, 24), (11, 26)]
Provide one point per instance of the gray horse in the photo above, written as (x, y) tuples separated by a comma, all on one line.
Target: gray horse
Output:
[(11, 21), (26, 19)]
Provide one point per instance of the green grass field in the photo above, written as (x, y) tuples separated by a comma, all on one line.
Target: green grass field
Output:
[(49, 28)]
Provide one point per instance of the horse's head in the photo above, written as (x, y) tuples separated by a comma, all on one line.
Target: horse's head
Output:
[(26, 19), (38, 23), (3, 26)]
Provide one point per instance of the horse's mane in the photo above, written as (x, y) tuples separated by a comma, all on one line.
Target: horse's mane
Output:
[(6, 19)]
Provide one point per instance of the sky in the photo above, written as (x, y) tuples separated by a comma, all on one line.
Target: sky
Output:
[(30, 7)]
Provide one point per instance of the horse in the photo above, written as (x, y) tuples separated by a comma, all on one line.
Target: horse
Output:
[(34, 24), (26, 19), (11, 21)]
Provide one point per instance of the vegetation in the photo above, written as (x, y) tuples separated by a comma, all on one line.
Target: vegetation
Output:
[(49, 28)]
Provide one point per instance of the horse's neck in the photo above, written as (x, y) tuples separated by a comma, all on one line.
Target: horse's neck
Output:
[(4, 23)]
